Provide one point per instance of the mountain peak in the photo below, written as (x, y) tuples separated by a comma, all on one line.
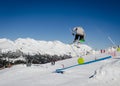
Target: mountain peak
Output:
[(32, 46)]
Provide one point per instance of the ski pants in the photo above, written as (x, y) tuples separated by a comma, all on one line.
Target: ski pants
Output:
[(79, 37)]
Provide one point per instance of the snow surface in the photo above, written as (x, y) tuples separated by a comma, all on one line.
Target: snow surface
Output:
[(32, 47), (102, 73)]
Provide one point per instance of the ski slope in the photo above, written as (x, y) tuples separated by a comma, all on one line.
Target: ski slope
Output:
[(102, 73)]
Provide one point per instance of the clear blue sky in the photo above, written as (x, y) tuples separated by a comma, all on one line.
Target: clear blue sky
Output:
[(52, 20)]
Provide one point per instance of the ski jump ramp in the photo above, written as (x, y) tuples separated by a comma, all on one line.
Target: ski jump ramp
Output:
[(89, 62)]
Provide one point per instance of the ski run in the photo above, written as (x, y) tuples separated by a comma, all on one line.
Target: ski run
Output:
[(101, 73)]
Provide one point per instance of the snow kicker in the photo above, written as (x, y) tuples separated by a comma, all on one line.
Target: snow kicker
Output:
[(92, 61)]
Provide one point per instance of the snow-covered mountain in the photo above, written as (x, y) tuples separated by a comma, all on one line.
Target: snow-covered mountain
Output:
[(101, 73), (31, 46)]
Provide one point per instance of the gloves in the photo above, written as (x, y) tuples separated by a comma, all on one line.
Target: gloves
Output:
[(73, 34)]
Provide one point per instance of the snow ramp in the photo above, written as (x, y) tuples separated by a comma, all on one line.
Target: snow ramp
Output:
[(89, 62)]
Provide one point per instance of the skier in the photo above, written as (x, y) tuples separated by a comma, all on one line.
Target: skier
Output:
[(53, 61), (79, 34)]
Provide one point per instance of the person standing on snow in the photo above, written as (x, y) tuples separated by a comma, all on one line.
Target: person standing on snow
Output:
[(79, 34), (53, 61)]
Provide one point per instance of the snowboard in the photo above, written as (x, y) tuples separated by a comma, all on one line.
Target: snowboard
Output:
[(82, 41), (79, 41)]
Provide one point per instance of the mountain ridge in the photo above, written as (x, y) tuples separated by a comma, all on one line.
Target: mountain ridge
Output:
[(32, 46)]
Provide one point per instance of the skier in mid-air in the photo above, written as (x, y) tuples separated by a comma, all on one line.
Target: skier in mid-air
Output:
[(79, 34)]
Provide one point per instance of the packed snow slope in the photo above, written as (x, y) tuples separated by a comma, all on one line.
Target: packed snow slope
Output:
[(102, 73), (32, 46)]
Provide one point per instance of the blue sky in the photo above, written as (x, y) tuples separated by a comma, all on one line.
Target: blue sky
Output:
[(51, 20)]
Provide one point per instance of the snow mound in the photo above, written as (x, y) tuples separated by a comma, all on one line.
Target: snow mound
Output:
[(108, 72)]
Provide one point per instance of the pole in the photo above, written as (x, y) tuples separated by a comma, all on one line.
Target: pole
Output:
[(111, 40)]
